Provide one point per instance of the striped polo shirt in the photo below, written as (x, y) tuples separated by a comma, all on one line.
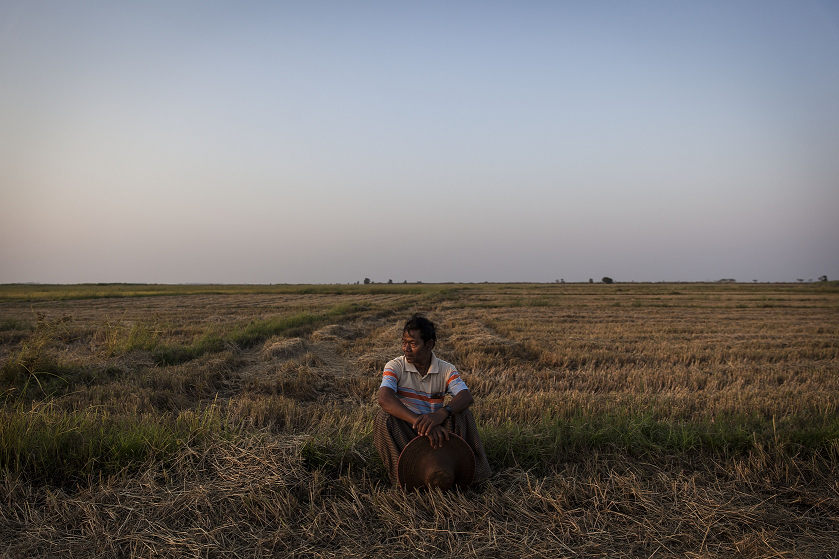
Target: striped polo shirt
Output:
[(422, 394)]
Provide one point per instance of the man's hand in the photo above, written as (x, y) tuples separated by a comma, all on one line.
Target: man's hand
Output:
[(425, 422), (436, 435), (431, 425)]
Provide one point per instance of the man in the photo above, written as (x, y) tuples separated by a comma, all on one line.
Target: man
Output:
[(412, 398)]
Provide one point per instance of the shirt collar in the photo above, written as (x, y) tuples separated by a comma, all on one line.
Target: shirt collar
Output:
[(433, 367)]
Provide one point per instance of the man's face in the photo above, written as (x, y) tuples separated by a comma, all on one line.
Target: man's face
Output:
[(414, 348)]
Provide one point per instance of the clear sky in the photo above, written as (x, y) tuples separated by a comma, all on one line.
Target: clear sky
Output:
[(325, 142)]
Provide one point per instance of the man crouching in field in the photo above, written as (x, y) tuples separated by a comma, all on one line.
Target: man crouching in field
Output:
[(412, 394)]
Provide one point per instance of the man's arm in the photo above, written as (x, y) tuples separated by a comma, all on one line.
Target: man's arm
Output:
[(394, 406), (459, 402)]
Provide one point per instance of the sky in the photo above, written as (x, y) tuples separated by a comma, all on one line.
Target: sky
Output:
[(434, 141)]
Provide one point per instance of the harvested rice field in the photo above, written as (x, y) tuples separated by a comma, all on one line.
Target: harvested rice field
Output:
[(620, 420)]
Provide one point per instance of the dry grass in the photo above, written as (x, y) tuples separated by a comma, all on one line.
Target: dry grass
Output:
[(622, 420), (257, 499)]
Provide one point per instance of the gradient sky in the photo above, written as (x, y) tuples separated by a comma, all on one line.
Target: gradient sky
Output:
[(326, 142)]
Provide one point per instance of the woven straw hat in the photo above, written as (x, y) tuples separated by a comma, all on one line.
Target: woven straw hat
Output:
[(453, 463)]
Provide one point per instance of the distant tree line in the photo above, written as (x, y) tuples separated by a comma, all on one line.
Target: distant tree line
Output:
[(368, 281)]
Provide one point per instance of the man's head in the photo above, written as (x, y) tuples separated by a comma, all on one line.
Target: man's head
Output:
[(418, 339)]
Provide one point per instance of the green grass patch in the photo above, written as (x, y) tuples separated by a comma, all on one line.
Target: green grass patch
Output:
[(175, 354), (65, 448), (260, 330), (242, 336), (538, 447), (250, 334), (343, 456), (15, 324), (45, 292)]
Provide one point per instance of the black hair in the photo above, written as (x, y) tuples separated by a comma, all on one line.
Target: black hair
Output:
[(426, 327)]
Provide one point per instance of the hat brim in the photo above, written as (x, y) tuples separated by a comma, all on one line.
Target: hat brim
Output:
[(450, 465)]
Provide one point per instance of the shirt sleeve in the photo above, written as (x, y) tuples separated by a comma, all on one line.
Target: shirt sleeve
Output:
[(390, 379), (454, 383)]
